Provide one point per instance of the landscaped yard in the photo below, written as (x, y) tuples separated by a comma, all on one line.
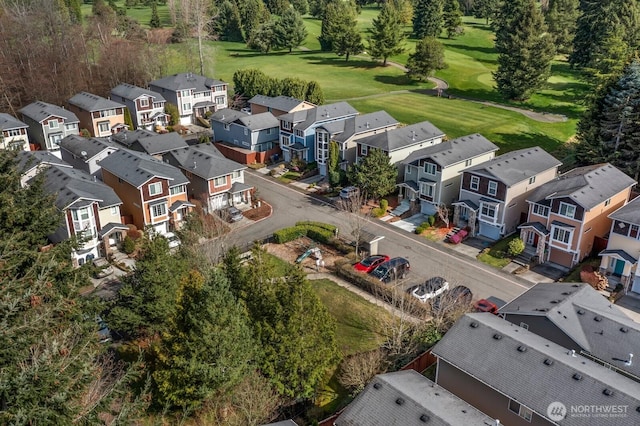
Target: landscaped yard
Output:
[(497, 255)]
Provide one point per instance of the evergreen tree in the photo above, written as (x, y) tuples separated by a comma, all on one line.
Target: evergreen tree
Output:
[(428, 18), (348, 42), (525, 49), (374, 175), (293, 87), (300, 6), (387, 37), (127, 118), (427, 58), (452, 17), (561, 20), (228, 25), (289, 31), (262, 37), (252, 14), (333, 165), (404, 10), (339, 21), (155, 17), (314, 93), (276, 7), (251, 82), (486, 9)]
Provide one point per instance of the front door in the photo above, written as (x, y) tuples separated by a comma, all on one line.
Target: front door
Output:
[(619, 267)]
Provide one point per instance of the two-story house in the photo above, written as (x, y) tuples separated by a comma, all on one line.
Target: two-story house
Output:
[(153, 193), (567, 213), (49, 124), (99, 116), (13, 133), (494, 193), (193, 94), (346, 133), (129, 138), (30, 163), (522, 379), (246, 138), (85, 153), (297, 129), (145, 106), (88, 206), (213, 179), (620, 259), (157, 145), (277, 105), (399, 143), (433, 174)]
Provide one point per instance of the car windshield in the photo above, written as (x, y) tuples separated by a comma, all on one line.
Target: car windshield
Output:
[(421, 290), (380, 271), (369, 260)]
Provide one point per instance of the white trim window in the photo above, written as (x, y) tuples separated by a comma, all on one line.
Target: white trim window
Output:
[(474, 184), (286, 125), (467, 163), (53, 124), (489, 211), (236, 175), (155, 188), (427, 189), (540, 210), (71, 127), (520, 410), (220, 100), (299, 133), (104, 127), (158, 210), (322, 147), (285, 140), (561, 235), (492, 189), (567, 210), (186, 106), (430, 169), (144, 102), (364, 150), (220, 181), (178, 189)]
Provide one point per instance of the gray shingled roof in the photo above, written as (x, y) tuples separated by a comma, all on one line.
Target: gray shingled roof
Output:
[(283, 423), (28, 160), (587, 186), (129, 91), (40, 111), (264, 120), (308, 117), (137, 168), (402, 137), (76, 187), (228, 115), (128, 137), (354, 126), (377, 404), (629, 213), (281, 103), (516, 166), (76, 145), (205, 160), (537, 225), (454, 151), (90, 102), (161, 143), (487, 348), (186, 80), (9, 122)]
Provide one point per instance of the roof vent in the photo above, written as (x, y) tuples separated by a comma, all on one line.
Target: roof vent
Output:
[(566, 293), (624, 329), (424, 418), (607, 392), (522, 348), (597, 319), (474, 324), (638, 409), (554, 301), (580, 312), (399, 401), (577, 376), (497, 336), (377, 385), (548, 362)]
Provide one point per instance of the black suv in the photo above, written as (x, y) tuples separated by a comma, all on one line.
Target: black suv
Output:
[(391, 270)]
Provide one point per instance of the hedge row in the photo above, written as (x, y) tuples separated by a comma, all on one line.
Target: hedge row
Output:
[(322, 225), (320, 232)]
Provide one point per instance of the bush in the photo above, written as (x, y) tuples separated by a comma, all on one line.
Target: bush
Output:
[(378, 212), (384, 204), (320, 235), (285, 235), (322, 225), (422, 227), (432, 220), (128, 245), (515, 247)]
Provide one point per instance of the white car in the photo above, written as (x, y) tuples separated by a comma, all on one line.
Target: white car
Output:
[(172, 239), (433, 287)]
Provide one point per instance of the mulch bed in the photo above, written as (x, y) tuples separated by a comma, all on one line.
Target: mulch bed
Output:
[(258, 213)]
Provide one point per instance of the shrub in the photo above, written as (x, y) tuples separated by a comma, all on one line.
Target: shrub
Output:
[(378, 212), (515, 247), (432, 220), (422, 227), (322, 225), (285, 235), (319, 234), (128, 245), (384, 204)]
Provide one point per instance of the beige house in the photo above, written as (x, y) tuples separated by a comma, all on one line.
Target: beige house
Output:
[(277, 105), (100, 116), (13, 133)]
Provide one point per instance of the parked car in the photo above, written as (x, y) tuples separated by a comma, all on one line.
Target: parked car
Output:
[(349, 192), (433, 287), (490, 304), (104, 269), (459, 296), (370, 263), (172, 239), (392, 269), (234, 214)]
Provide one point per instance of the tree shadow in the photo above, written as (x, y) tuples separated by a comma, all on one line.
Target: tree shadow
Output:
[(528, 139), (398, 80), (339, 61)]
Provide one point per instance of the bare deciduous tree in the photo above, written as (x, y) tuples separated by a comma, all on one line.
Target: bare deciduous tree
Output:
[(443, 214), (357, 217), (358, 369)]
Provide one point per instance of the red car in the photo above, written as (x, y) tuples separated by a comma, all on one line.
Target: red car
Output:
[(370, 263), (490, 304)]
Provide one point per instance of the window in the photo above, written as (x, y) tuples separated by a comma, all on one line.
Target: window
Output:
[(562, 235), (532, 179), (104, 127), (467, 163), (13, 132), (177, 189), (185, 93), (186, 106), (633, 231), (246, 131), (322, 147), (430, 168), (71, 127), (299, 133), (286, 125), (426, 189), (493, 188), (114, 211), (220, 100), (155, 188), (364, 149), (489, 210), (144, 102), (219, 181), (158, 210), (520, 410), (607, 202), (236, 175), (541, 210), (475, 183), (285, 140), (227, 126), (80, 214), (219, 88), (567, 210), (53, 124), (107, 113)]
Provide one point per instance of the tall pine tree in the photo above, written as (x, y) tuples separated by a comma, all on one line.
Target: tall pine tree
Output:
[(289, 31), (561, 20), (387, 36), (452, 17), (428, 18)]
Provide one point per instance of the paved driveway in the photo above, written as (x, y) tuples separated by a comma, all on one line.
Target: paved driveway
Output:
[(411, 223)]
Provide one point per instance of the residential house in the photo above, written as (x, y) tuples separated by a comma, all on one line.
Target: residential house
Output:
[(277, 105), (129, 138), (85, 153), (399, 143), (346, 133), (297, 129), (49, 124), (568, 213), (213, 179), (13, 133), (246, 138), (433, 174), (100, 116), (158, 144), (153, 193), (193, 94), (520, 378), (620, 259), (30, 163), (88, 206), (145, 106), (407, 398), (494, 193), (577, 317)]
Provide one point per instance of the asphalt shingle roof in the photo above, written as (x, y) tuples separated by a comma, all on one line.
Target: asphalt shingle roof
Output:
[(40, 111), (90, 102), (281, 103), (353, 126), (308, 117), (264, 120), (128, 137), (402, 137), (90, 146), (454, 151), (629, 213), (129, 91), (9, 122), (516, 166), (161, 143), (28, 160), (534, 371), (186, 80), (137, 168), (205, 160), (228, 115), (76, 187)]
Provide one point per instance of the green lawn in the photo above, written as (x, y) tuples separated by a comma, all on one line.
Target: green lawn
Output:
[(141, 13), (497, 255)]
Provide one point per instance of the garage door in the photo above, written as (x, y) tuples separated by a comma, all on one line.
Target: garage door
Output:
[(561, 257), (489, 231)]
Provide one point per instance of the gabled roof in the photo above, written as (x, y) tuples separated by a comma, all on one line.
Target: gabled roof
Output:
[(9, 122), (28, 160), (186, 80), (344, 130), (629, 213), (86, 148), (90, 102), (40, 111), (205, 161), (131, 92), (454, 151), (128, 137), (281, 103), (75, 187), (322, 113), (516, 166), (264, 120), (137, 168), (587, 186), (407, 398), (533, 370), (228, 115), (283, 423), (403, 137), (161, 143)]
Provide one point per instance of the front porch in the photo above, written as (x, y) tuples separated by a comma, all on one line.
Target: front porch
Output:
[(535, 236), (465, 214), (619, 267)]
